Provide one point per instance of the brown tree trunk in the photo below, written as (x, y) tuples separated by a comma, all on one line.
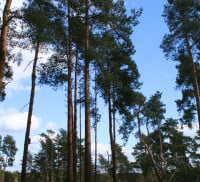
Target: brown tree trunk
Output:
[(95, 128), (3, 42), (30, 111), (195, 82), (70, 106), (75, 117), (88, 165)]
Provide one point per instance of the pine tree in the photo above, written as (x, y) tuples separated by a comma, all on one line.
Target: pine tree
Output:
[(39, 26), (3, 44), (182, 45)]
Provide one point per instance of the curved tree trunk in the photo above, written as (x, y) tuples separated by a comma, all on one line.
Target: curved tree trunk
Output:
[(3, 42), (30, 111)]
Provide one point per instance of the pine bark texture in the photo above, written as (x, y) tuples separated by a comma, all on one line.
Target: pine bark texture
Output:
[(75, 118), (70, 105), (88, 166), (3, 41), (30, 111)]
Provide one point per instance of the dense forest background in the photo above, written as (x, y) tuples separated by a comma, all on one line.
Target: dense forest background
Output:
[(86, 49)]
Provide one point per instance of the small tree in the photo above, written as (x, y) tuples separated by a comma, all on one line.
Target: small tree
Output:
[(8, 150)]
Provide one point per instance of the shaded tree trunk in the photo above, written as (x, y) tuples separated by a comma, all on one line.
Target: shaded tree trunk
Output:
[(95, 127), (80, 135), (70, 106), (30, 111), (75, 117), (3, 42), (110, 111), (88, 165)]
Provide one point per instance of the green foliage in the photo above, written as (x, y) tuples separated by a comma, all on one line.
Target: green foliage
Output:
[(183, 19), (52, 160), (8, 150), (177, 150), (40, 20)]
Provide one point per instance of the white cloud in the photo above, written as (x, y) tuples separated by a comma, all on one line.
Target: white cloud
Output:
[(35, 144), (17, 4), (191, 132), (12, 120), (51, 125)]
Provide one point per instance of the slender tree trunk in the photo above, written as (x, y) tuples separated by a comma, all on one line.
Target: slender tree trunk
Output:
[(52, 164), (195, 82), (95, 128), (114, 176), (88, 165), (30, 111), (4, 169), (70, 106), (80, 135), (95, 162), (114, 147), (75, 117), (3, 42)]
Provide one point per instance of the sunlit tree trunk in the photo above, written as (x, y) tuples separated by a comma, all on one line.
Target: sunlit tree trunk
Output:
[(3, 41), (30, 111), (88, 166)]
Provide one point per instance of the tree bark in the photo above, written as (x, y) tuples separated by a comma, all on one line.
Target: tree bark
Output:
[(88, 166), (95, 128), (80, 135), (195, 82), (75, 118), (70, 106), (114, 176), (3, 42), (30, 111)]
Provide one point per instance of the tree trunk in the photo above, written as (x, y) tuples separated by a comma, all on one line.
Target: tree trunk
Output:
[(30, 111), (70, 107), (75, 117), (4, 169), (195, 82), (95, 128), (114, 147), (80, 135), (88, 166), (3, 42), (114, 176)]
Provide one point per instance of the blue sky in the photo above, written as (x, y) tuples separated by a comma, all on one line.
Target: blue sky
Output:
[(50, 107)]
